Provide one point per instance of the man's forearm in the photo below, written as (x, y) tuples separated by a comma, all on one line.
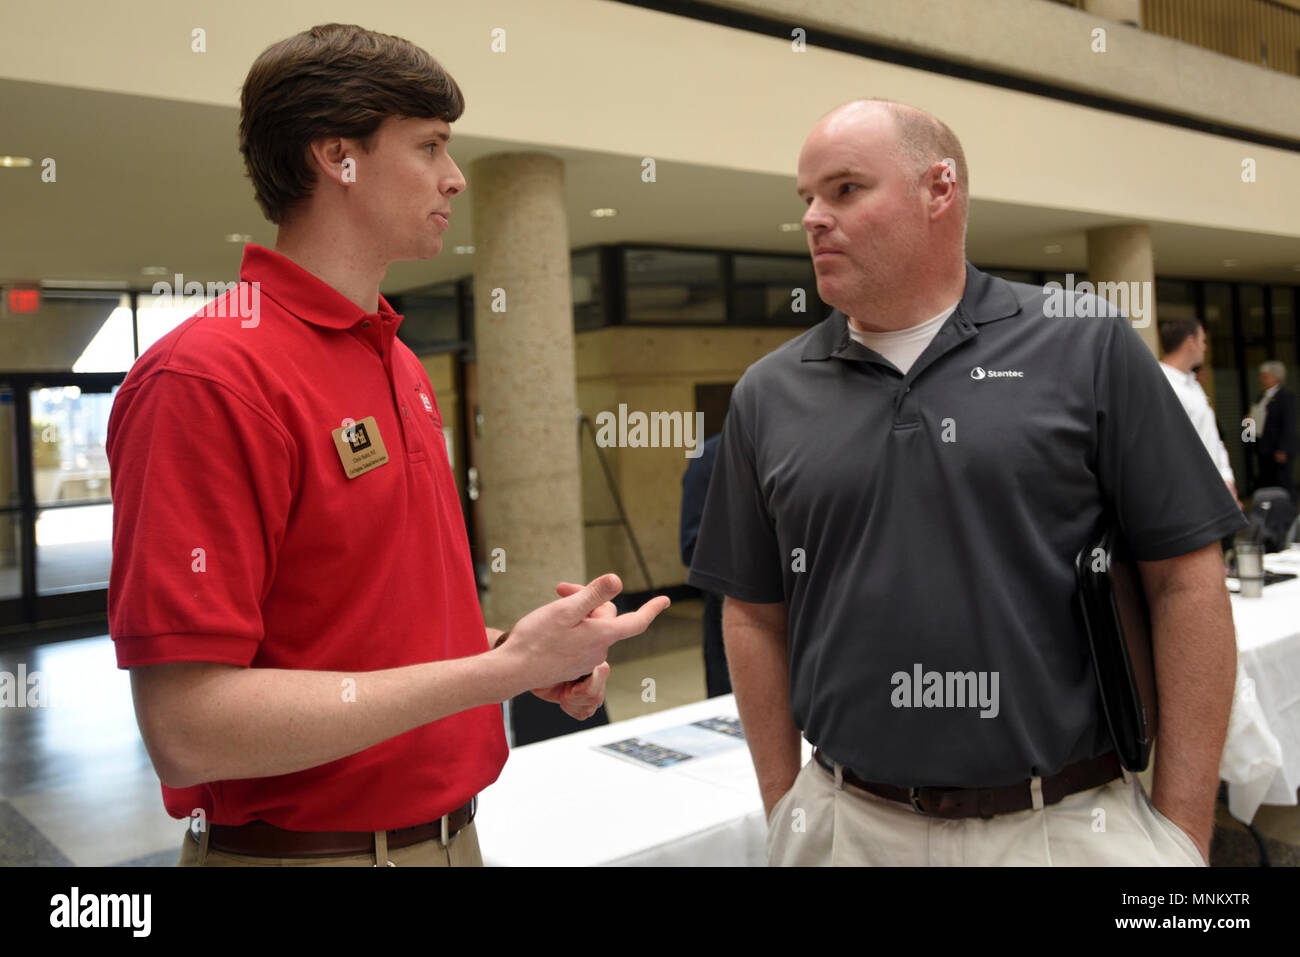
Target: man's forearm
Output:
[(1196, 669), (261, 722), (760, 678)]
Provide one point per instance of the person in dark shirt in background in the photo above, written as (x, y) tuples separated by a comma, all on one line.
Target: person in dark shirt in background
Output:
[(1275, 418), (695, 484)]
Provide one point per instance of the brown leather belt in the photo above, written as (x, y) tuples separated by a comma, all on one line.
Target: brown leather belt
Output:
[(988, 802), (260, 839)]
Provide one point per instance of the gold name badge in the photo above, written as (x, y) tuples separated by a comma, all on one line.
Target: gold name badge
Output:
[(359, 446)]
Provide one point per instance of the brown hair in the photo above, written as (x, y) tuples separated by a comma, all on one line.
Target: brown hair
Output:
[(1174, 332), (332, 80)]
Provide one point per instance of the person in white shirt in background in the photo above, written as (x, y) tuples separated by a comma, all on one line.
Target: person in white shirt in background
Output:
[(1183, 343)]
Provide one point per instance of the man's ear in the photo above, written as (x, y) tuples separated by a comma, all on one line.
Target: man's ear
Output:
[(940, 185), (326, 157)]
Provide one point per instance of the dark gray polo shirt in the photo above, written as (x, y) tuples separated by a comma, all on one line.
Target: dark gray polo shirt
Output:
[(922, 528)]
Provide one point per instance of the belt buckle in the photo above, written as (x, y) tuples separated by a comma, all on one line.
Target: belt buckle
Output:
[(445, 838), (912, 795)]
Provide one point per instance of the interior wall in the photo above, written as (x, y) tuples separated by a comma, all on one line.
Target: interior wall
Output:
[(650, 369)]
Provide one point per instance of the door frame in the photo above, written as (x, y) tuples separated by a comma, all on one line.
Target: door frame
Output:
[(29, 609)]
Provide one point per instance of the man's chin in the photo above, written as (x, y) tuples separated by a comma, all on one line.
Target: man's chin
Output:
[(427, 250), (833, 296)]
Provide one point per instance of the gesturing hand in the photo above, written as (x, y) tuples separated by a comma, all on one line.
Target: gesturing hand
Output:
[(580, 699), (559, 642)]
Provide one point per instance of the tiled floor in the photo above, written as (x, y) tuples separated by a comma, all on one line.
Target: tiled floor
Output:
[(76, 785), (77, 788), (661, 669)]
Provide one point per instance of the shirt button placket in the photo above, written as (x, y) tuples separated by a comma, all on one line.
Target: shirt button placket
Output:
[(377, 339)]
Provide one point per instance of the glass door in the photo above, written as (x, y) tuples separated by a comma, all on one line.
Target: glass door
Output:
[(74, 511), (11, 553), (57, 515)]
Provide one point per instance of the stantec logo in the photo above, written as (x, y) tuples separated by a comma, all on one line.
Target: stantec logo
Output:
[(979, 372)]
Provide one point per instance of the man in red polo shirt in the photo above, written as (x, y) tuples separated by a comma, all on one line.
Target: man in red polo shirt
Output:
[(291, 584)]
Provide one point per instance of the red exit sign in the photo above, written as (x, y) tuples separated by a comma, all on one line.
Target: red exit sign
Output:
[(24, 300)]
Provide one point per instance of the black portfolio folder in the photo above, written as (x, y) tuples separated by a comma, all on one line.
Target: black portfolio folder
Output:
[(1115, 615)]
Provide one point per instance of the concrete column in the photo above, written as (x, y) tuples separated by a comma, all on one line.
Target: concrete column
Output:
[(1122, 254), (531, 491)]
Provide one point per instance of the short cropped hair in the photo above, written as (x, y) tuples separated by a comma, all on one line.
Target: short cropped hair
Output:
[(924, 140), (1174, 332), (332, 80), (1276, 369)]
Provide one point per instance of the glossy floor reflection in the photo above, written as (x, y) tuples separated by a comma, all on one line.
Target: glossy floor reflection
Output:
[(76, 784)]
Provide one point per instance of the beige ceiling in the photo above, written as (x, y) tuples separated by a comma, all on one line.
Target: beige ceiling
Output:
[(154, 182)]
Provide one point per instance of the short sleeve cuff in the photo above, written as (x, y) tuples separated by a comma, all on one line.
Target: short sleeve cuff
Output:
[(1213, 531), (721, 586), (136, 650)]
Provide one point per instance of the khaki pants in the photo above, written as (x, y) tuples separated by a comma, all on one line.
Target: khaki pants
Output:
[(463, 851), (817, 823)]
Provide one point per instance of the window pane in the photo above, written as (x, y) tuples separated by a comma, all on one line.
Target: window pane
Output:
[(159, 315), (431, 318), (10, 543), (11, 560), (1284, 331), (588, 294), (669, 286), (1230, 406), (69, 431), (1175, 299), (80, 332), (776, 289), (467, 296), (8, 457), (1252, 314), (73, 548), (1257, 353)]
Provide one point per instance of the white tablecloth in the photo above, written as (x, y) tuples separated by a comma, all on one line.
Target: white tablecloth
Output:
[(705, 811), (1261, 759)]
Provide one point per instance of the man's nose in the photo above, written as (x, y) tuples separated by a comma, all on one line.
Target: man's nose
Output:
[(456, 182), (815, 218)]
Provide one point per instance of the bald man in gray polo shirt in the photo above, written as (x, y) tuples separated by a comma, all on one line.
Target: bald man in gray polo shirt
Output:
[(898, 500)]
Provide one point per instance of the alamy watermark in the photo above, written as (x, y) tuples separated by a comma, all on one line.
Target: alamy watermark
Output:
[(946, 689), (24, 689), (129, 911), (1088, 300), (654, 430), (241, 300)]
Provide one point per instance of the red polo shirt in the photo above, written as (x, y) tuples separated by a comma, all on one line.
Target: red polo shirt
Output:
[(238, 536)]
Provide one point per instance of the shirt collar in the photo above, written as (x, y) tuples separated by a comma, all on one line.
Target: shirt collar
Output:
[(304, 294), (927, 328), (1187, 378), (985, 299)]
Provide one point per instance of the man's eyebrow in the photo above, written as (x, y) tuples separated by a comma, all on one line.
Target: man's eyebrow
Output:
[(440, 135), (830, 177)]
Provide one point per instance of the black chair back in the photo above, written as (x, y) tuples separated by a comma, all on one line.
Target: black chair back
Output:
[(1271, 514)]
